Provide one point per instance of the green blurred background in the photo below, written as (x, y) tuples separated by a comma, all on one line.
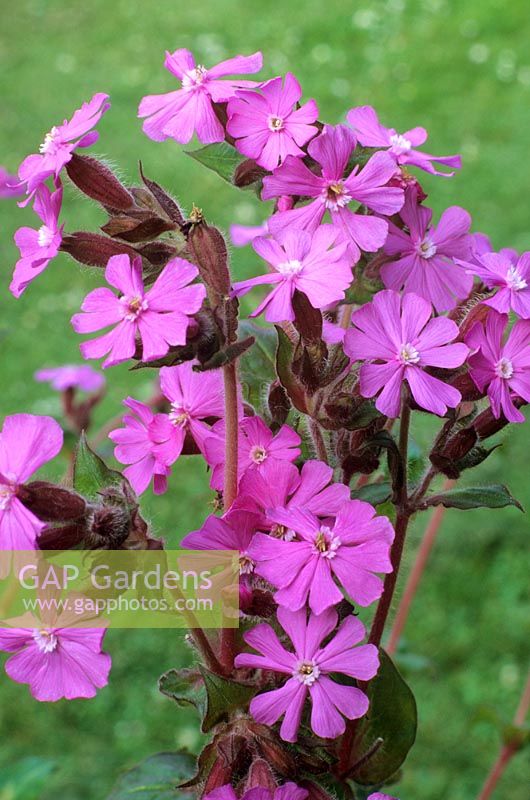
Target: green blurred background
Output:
[(461, 68)]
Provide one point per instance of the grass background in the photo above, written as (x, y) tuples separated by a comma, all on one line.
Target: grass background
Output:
[(459, 67)]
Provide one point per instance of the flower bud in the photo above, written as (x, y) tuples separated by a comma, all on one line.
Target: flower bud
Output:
[(209, 252), (97, 181), (93, 249), (279, 403), (247, 173), (164, 200), (51, 503), (260, 776), (137, 227)]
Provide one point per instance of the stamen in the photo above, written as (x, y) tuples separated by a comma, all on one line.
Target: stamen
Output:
[(258, 454), (133, 307), (246, 565), (275, 124), (514, 280), (179, 416), (426, 248), (194, 77), (408, 354), (504, 369), (335, 195), (45, 640), (307, 672), (326, 543)]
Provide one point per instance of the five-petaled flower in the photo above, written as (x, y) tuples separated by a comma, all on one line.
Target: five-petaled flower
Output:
[(350, 548), (334, 191), (316, 264), (71, 376), (233, 531), (267, 125), (509, 275), (424, 258), (57, 662), (59, 144), (501, 368), (160, 316), (400, 340), (38, 247), (179, 114), (401, 146), (308, 668), (26, 443)]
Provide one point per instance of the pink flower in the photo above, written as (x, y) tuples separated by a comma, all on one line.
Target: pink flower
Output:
[(9, 186), (424, 257), (38, 247), (401, 146), (332, 191), (268, 126), (72, 376), (57, 663), (509, 275), (289, 791), (147, 443), (153, 442), (233, 531), (26, 443), (241, 235), (308, 668), (504, 369), (280, 485), (400, 339), (257, 446), (350, 548), (380, 796), (179, 114), (315, 264), (59, 144), (160, 316)]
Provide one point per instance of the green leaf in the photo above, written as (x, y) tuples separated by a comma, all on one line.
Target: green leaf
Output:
[(284, 370), (373, 493), (221, 158), (156, 778), (257, 366), (222, 698), (27, 779), (392, 717), (181, 686), (494, 496), (91, 474)]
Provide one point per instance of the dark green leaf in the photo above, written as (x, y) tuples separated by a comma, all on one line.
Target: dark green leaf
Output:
[(221, 158), (374, 493), (222, 698), (494, 496), (156, 778), (91, 474), (181, 686), (392, 717), (27, 779)]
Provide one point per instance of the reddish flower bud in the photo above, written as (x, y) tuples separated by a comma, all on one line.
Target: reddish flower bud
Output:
[(93, 249), (98, 182), (260, 776), (247, 173), (209, 252), (51, 503), (165, 201)]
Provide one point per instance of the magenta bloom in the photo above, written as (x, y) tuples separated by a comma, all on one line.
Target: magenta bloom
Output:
[(160, 316), (425, 257), (509, 275), (147, 444), (71, 376), (332, 191), (289, 791), (350, 549), (233, 531), (179, 114), (316, 264), (401, 146), (38, 247), (26, 443), (9, 185), (57, 663), (241, 235), (257, 446), (280, 485), (308, 668), (267, 125), (60, 143), (380, 796), (399, 338), (502, 369)]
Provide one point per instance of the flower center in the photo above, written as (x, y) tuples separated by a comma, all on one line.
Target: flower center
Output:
[(179, 416), (335, 195), (514, 280), (7, 492), (408, 354), (194, 77), (281, 532), (400, 144), (45, 640), (246, 565), (292, 267), (326, 543), (307, 672), (426, 248), (133, 307), (44, 236), (49, 143), (258, 454), (504, 369), (275, 124)]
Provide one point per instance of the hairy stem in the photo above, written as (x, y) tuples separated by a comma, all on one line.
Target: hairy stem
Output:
[(231, 435), (318, 440), (507, 750), (414, 578)]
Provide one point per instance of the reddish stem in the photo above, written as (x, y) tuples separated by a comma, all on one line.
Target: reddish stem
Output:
[(414, 578)]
